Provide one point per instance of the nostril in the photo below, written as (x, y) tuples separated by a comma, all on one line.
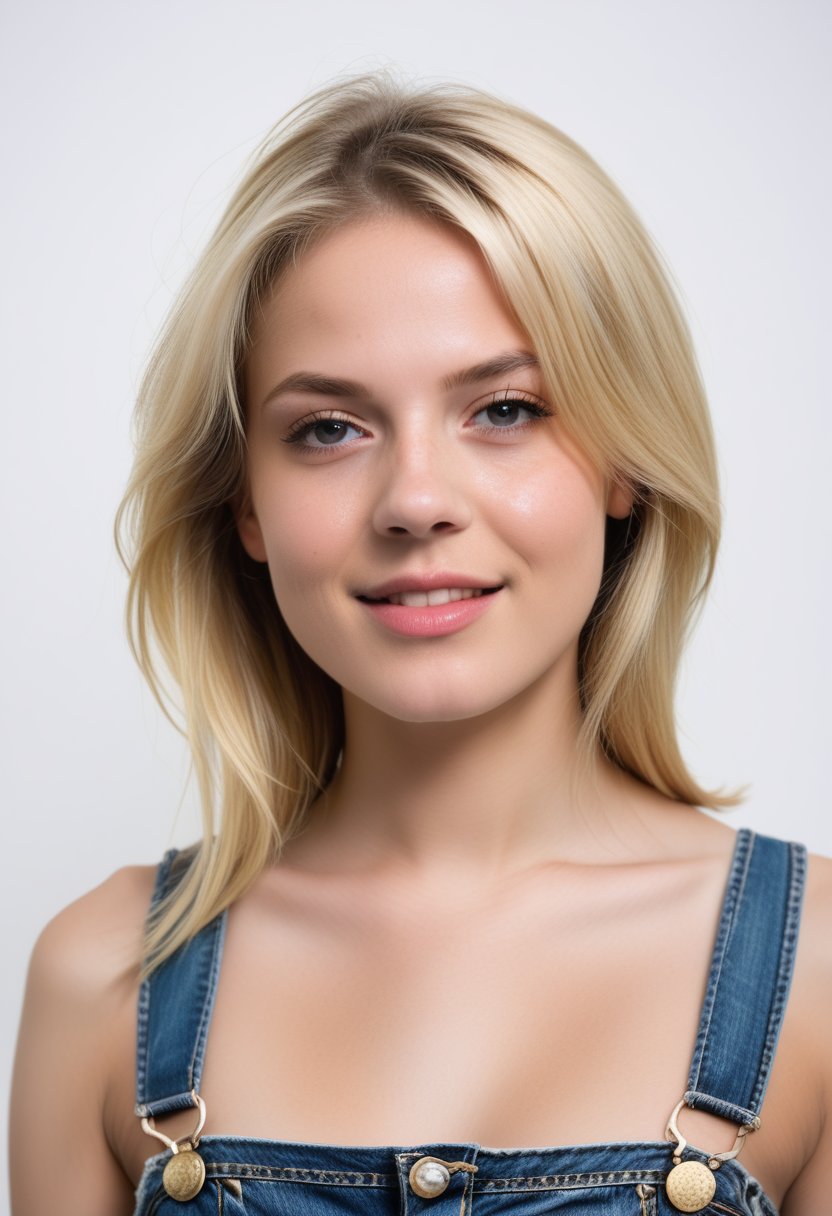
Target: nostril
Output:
[(400, 513), (442, 525)]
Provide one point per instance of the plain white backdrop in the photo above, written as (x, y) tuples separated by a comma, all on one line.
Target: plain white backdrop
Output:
[(124, 127)]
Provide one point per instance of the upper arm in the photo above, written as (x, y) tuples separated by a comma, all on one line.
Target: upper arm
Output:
[(809, 1193), (82, 979)]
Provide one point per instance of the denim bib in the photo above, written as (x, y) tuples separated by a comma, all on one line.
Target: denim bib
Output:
[(745, 1000)]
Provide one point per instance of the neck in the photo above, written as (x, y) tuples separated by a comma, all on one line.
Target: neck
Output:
[(482, 797)]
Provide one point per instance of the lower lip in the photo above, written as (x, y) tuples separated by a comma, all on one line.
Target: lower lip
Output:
[(433, 621)]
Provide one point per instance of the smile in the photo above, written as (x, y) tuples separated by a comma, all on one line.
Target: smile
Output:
[(424, 599), (430, 614)]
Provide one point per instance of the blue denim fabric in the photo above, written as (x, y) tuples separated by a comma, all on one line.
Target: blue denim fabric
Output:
[(741, 1016), (174, 1013)]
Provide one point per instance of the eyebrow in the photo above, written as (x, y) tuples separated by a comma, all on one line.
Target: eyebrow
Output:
[(330, 386)]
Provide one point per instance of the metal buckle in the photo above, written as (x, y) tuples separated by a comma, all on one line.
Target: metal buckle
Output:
[(191, 1141), (716, 1159)]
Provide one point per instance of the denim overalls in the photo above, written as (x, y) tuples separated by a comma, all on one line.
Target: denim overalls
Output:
[(746, 995)]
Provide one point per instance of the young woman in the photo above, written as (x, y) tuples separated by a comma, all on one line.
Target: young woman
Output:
[(424, 499)]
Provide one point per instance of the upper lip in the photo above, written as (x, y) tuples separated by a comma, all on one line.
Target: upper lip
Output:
[(426, 582)]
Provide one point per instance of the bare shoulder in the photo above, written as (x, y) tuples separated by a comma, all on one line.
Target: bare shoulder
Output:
[(810, 1003), (811, 994), (77, 1023), (92, 941), (84, 967), (819, 883), (813, 968)]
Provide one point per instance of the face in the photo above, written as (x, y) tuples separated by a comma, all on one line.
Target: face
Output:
[(434, 540)]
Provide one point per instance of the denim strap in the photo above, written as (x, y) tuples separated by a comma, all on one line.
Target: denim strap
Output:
[(175, 1005), (749, 980), (748, 986)]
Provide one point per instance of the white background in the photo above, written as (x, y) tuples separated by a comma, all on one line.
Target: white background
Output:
[(124, 127)]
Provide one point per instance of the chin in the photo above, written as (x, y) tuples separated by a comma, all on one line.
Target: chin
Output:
[(443, 713), (435, 705)]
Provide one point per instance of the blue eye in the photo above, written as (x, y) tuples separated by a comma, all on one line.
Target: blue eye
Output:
[(322, 431)]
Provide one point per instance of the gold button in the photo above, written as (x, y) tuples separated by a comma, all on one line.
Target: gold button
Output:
[(429, 1177), (690, 1186), (184, 1175)]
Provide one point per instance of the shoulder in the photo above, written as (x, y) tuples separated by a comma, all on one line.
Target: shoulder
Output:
[(95, 940), (84, 968), (809, 1004), (77, 1032), (83, 979), (813, 966), (811, 993)]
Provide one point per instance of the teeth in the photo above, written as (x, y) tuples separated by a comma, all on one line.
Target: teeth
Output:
[(441, 595)]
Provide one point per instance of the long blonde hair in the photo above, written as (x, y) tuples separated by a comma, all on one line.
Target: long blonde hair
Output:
[(585, 282)]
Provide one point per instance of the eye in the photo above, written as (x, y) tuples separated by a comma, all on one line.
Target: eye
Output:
[(320, 431), (510, 412)]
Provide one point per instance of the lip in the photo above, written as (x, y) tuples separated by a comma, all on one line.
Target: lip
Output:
[(432, 621), (427, 582)]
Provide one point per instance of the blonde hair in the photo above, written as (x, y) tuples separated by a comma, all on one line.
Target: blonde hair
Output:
[(585, 282)]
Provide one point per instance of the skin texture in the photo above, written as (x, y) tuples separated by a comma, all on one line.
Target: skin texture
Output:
[(421, 481), (517, 947)]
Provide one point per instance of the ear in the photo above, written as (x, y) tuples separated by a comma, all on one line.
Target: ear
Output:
[(620, 498), (248, 528)]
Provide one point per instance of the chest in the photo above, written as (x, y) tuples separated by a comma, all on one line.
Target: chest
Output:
[(517, 1029), (554, 1020)]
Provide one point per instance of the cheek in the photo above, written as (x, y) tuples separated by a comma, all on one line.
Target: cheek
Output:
[(556, 517), (307, 534)]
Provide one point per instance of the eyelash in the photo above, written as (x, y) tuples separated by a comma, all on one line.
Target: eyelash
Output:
[(299, 430), (536, 409), (304, 426)]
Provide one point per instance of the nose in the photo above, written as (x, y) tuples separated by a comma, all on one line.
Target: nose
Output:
[(421, 491)]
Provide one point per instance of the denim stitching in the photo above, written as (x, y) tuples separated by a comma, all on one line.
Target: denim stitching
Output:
[(141, 1051), (733, 902), (210, 979), (718, 1106), (695, 1097), (467, 1197), (142, 1043), (534, 1182), (736, 887), (291, 1173), (797, 865), (548, 1182), (168, 1105), (760, 1204)]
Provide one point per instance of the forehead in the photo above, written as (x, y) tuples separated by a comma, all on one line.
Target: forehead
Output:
[(402, 293)]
